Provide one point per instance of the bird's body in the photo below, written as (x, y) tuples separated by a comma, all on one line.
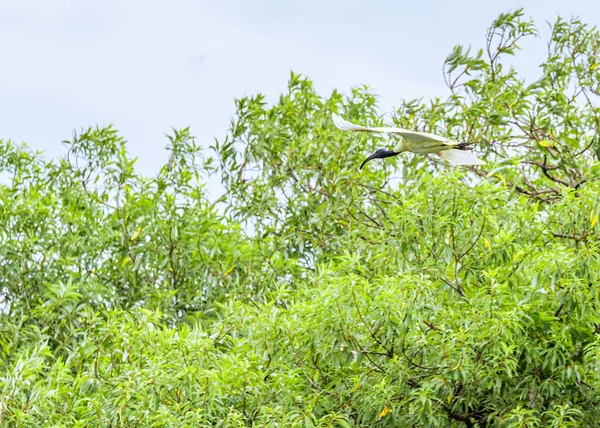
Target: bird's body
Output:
[(421, 147), (415, 142)]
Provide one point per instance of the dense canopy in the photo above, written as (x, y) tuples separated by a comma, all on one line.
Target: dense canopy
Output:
[(312, 293)]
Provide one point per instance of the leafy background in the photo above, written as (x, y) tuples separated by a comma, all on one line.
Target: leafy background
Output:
[(311, 293)]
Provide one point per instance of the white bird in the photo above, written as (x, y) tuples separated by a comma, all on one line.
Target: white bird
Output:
[(415, 142)]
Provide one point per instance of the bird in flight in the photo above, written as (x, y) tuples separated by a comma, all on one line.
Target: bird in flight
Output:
[(415, 142)]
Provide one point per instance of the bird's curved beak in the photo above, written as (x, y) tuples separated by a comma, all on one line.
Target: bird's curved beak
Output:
[(373, 156), (379, 154)]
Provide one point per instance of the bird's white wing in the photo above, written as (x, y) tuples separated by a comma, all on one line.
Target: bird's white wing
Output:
[(411, 136), (344, 125), (460, 157)]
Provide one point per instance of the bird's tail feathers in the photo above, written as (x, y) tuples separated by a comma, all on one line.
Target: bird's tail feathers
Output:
[(460, 157)]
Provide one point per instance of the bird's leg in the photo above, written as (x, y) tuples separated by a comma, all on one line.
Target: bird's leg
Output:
[(462, 146)]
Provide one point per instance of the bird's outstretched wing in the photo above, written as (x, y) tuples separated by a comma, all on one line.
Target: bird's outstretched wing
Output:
[(460, 157), (412, 136)]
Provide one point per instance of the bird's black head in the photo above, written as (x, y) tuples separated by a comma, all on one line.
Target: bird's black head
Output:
[(379, 154)]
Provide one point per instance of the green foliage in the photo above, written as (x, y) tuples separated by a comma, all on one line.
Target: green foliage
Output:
[(409, 293)]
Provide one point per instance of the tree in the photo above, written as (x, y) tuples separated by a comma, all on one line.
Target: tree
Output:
[(311, 292)]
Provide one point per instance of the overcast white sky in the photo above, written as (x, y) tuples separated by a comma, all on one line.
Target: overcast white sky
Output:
[(148, 66)]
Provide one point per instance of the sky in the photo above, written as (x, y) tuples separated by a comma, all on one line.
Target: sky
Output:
[(149, 66)]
